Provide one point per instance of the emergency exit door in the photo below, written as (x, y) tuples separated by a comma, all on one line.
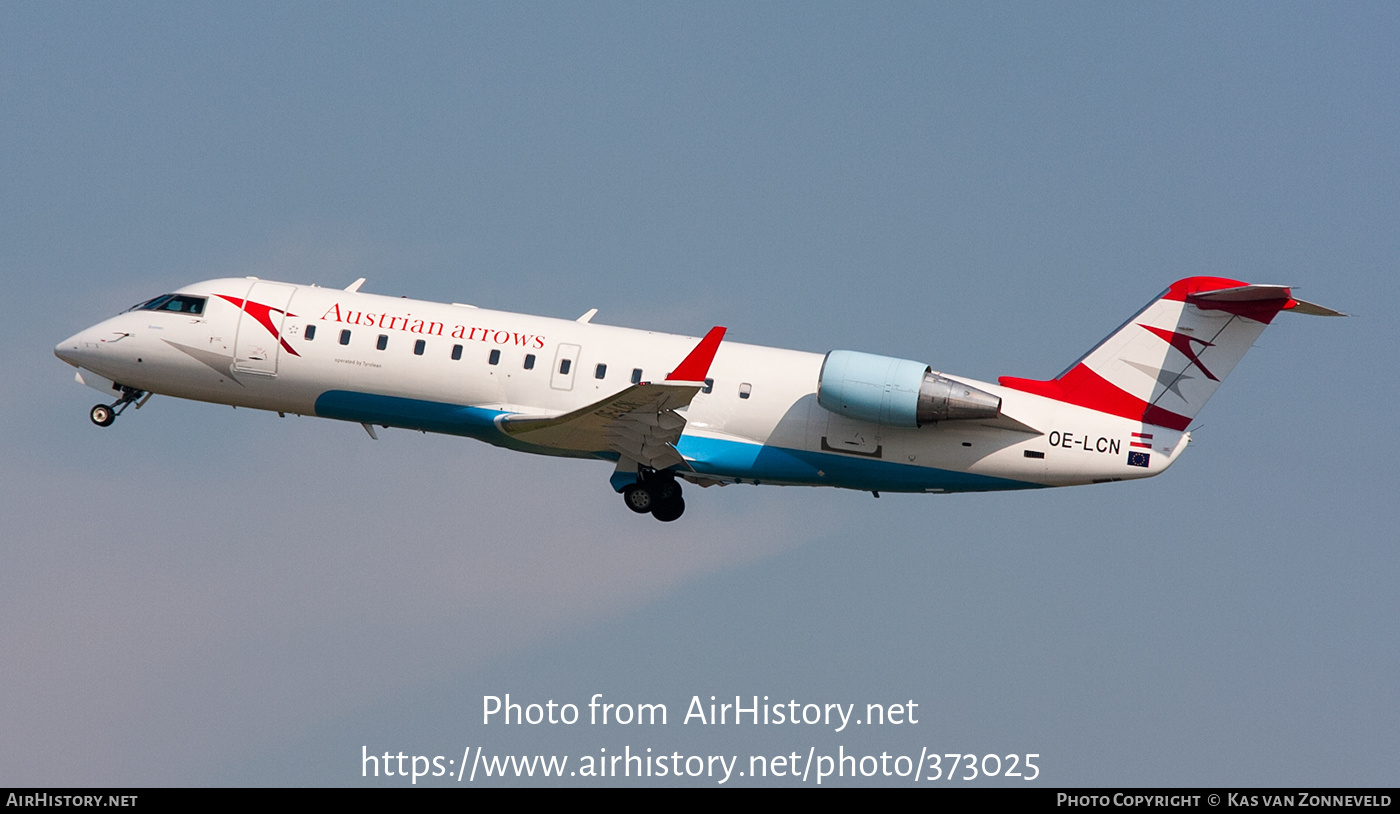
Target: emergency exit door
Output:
[(562, 377)]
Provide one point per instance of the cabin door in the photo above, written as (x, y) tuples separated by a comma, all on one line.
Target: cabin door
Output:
[(259, 340)]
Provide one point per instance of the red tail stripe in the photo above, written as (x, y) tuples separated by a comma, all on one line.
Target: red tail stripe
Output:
[(1182, 289), (1083, 387), (1260, 310)]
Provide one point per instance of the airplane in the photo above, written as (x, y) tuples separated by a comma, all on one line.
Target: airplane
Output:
[(664, 408)]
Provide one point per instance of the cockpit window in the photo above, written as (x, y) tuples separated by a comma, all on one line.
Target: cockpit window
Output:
[(179, 303)]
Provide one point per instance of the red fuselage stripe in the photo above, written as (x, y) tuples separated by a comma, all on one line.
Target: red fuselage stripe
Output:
[(1083, 387)]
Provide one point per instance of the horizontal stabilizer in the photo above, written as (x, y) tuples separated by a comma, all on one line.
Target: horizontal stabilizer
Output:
[(1313, 309), (1262, 294), (1242, 293)]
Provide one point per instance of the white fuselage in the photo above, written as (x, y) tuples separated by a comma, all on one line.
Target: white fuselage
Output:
[(357, 357)]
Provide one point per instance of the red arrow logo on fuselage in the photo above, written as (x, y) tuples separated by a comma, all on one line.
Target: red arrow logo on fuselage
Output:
[(263, 314)]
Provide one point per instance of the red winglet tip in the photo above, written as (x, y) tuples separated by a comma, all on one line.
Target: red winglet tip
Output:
[(694, 366)]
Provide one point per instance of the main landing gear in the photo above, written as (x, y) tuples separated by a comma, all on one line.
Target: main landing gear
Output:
[(658, 493), (104, 414)]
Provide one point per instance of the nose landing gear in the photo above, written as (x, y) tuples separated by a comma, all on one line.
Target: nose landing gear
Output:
[(657, 493), (104, 414)]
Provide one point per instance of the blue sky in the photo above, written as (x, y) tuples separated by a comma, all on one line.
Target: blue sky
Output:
[(207, 596)]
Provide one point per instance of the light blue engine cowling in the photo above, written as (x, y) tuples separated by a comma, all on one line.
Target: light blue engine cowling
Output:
[(897, 392)]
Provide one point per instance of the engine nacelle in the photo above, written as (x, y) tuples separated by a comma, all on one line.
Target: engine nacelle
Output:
[(897, 392)]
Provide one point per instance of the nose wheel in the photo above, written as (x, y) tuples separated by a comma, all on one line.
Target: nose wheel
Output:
[(658, 494), (104, 414)]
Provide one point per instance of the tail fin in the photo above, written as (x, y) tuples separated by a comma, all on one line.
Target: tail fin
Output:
[(1162, 365)]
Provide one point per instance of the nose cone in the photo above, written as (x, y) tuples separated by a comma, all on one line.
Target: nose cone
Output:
[(69, 349)]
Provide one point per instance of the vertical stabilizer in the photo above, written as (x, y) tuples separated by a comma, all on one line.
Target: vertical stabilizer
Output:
[(1162, 365)]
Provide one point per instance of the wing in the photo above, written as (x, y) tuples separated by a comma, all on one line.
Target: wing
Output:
[(640, 422)]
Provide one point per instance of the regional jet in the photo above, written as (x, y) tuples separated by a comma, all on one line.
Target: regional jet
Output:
[(663, 409)]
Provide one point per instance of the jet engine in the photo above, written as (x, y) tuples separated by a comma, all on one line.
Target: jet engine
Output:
[(897, 392)]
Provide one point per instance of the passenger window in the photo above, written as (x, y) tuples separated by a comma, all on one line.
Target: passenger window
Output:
[(309, 333), (744, 390), (345, 337), (636, 375), (529, 361), (383, 342), (709, 386), (418, 347), (600, 371), (564, 365), (456, 353), (495, 357)]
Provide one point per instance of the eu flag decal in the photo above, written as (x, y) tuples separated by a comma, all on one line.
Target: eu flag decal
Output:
[(1138, 459)]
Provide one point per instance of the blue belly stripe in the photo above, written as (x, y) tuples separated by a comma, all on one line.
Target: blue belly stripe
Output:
[(413, 414), (756, 462), (709, 456)]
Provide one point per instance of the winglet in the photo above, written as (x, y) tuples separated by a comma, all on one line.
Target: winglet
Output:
[(355, 286), (694, 367)]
